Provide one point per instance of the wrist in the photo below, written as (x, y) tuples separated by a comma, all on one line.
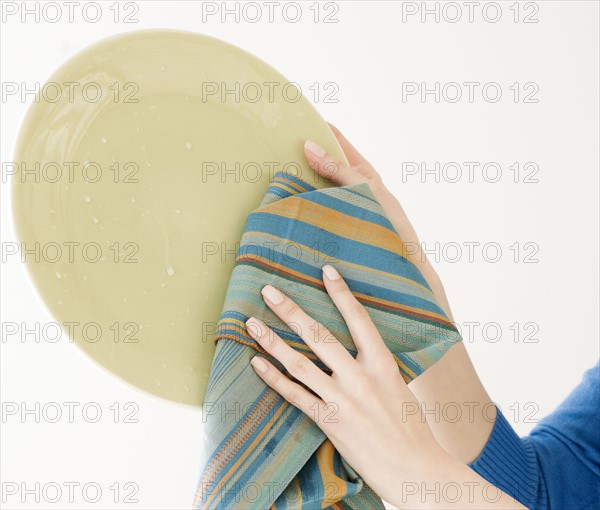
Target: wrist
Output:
[(450, 484), (420, 482)]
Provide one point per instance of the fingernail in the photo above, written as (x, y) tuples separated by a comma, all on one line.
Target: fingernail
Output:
[(254, 328), (259, 364), (315, 148), (272, 294), (331, 272)]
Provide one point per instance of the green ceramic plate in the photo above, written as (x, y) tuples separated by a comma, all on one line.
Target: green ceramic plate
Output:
[(138, 164)]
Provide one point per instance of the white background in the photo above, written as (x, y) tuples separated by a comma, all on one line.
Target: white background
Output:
[(368, 53)]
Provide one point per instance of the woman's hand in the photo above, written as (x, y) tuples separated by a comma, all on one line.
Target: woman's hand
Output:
[(452, 380), (361, 406), (359, 171), (364, 407)]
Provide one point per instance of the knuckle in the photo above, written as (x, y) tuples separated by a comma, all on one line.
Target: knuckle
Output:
[(363, 385), (388, 365), (357, 309), (332, 166), (325, 336), (385, 369), (269, 342), (290, 309), (300, 366), (367, 170), (293, 397), (272, 378)]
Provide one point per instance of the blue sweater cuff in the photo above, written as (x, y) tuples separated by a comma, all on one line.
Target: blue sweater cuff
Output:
[(509, 463)]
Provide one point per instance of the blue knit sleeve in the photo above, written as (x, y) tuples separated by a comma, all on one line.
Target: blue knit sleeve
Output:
[(558, 464)]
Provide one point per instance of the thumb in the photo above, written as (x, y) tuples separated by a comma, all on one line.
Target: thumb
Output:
[(329, 167)]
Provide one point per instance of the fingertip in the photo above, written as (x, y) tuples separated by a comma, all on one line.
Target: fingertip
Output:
[(254, 328), (330, 272), (327, 166), (259, 364), (314, 149)]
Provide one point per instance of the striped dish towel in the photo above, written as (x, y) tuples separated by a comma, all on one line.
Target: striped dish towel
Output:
[(260, 451)]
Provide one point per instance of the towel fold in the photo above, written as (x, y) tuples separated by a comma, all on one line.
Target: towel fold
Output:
[(261, 451)]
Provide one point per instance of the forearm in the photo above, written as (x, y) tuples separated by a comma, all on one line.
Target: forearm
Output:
[(450, 484), (450, 385), (458, 409)]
